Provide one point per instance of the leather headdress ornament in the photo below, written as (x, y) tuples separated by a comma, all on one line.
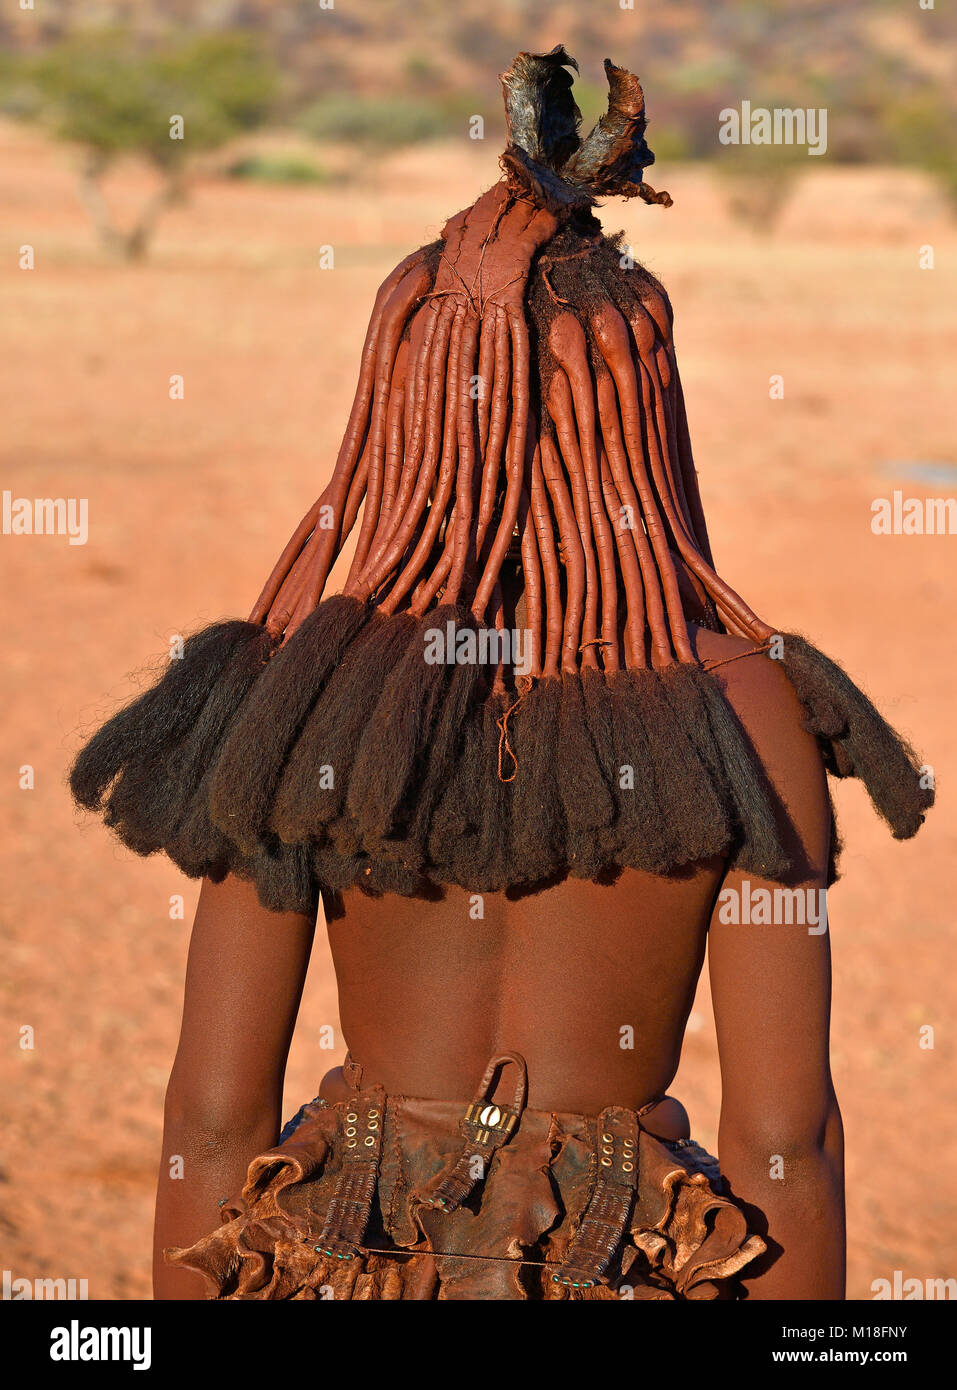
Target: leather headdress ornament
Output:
[(516, 461)]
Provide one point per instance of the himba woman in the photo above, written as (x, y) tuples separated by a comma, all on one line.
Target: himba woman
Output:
[(518, 758)]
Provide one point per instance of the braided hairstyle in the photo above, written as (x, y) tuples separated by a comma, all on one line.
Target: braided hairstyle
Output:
[(518, 450)]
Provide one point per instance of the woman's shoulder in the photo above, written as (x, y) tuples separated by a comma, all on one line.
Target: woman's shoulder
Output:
[(750, 673), (756, 686)]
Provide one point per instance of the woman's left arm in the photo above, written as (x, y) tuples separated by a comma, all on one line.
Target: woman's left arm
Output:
[(244, 980)]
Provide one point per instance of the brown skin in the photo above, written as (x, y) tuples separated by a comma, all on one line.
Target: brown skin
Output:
[(244, 981), (428, 991)]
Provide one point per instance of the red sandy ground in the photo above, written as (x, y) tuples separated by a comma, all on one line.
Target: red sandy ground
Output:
[(191, 501)]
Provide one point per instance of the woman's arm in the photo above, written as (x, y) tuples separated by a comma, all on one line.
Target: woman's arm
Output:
[(780, 1141), (244, 980)]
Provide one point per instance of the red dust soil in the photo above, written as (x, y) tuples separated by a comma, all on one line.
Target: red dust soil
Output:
[(191, 500)]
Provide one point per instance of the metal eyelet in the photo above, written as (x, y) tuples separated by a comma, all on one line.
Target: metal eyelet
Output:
[(607, 1139), (351, 1130), (351, 1118), (606, 1163), (351, 1143), (627, 1167), (373, 1114), (370, 1140)]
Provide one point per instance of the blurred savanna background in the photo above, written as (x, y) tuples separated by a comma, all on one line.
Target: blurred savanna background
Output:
[(181, 328)]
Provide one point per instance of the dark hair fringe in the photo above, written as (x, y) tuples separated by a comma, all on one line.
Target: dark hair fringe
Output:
[(249, 768), (157, 791), (167, 711), (397, 759), (221, 763), (310, 803), (855, 740)]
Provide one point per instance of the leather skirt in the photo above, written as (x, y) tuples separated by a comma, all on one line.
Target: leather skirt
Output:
[(394, 1197)]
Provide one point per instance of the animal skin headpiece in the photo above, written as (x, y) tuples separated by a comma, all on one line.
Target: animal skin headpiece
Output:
[(516, 473)]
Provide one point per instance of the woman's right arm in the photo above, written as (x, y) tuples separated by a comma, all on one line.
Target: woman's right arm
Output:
[(780, 1142)]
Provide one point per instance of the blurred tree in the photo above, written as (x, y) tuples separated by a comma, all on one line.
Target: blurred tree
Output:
[(112, 97)]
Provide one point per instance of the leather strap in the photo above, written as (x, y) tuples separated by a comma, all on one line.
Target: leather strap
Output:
[(352, 1071), (486, 1126), (351, 1205), (603, 1226)]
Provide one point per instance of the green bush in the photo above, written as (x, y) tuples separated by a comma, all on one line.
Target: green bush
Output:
[(419, 67), (379, 122), (922, 131), (277, 169), (669, 142)]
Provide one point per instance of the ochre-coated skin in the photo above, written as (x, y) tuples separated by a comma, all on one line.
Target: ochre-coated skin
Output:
[(428, 991)]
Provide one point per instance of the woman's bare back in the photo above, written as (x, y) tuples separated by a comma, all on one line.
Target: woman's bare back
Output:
[(591, 982)]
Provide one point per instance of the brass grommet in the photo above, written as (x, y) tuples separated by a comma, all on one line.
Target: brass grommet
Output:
[(607, 1139), (627, 1167), (370, 1140), (351, 1143), (606, 1163), (373, 1124), (373, 1114), (351, 1118), (351, 1129)]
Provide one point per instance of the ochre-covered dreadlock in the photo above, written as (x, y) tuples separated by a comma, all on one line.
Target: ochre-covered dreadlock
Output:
[(518, 449)]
